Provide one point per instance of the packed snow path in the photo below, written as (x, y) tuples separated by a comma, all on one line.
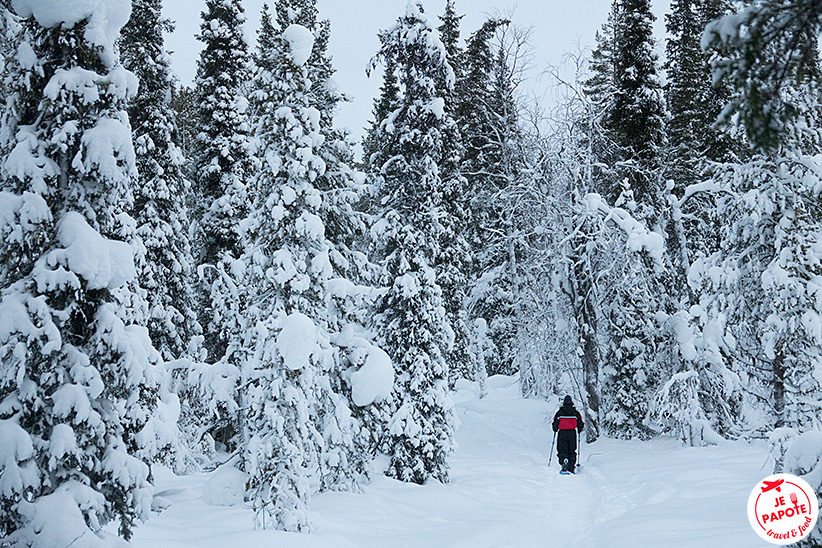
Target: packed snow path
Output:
[(503, 493)]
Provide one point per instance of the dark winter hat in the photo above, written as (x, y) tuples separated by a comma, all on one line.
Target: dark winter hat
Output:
[(567, 401)]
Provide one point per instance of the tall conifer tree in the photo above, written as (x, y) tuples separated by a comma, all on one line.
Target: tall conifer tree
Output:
[(161, 192), (694, 103), (78, 384), (628, 113), (694, 140), (454, 263), (488, 118), (222, 163), (636, 117), (411, 317), (299, 427)]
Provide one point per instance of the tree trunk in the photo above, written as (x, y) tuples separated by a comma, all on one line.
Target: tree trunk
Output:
[(779, 389), (585, 312)]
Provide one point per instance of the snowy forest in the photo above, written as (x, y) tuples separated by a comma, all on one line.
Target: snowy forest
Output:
[(215, 275)]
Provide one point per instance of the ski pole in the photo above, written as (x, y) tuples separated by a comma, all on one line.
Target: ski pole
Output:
[(551, 454), (579, 451)]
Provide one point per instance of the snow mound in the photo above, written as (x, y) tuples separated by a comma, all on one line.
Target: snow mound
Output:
[(297, 340), (503, 387), (57, 520), (465, 390), (804, 458), (99, 261), (300, 41), (374, 380), (225, 488)]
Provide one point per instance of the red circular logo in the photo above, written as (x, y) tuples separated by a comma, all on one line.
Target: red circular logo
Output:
[(783, 509)]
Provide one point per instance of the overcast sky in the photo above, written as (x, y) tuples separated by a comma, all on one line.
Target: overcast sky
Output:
[(557, 25)]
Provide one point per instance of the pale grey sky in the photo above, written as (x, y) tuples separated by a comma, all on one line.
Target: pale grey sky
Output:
[(557, 25)]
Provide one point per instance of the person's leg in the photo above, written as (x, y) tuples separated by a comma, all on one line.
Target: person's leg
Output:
[(564, 448), (572, 451)]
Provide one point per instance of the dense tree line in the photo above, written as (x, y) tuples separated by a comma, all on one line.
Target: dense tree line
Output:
[(208, 275)]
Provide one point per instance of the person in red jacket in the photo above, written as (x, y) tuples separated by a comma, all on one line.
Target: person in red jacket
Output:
[(567, 423)]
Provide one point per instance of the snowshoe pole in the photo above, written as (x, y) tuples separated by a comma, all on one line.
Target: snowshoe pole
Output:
[(579, 452), (551, 454)]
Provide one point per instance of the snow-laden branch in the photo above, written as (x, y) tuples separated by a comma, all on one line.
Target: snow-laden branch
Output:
[(639, 237), (709, 186)]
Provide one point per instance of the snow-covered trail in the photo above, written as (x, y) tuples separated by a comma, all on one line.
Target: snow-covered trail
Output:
[(504, 494)]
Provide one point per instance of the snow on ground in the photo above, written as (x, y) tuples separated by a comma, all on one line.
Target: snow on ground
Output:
[(503, 493)]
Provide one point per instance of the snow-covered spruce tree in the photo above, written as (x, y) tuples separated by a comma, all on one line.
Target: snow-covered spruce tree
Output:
[(349, 286), (630, 370), (79, 387), (222, 149), (593, 109), (299, 432), (222, 159), (625, 87), (411, 317), (340, 185), (449, 31), (636, 117), (222, 162), (493, 162), (288, 268), (626, 97), (694, 105), (769, 53), (763, 49), (474, 90), (160, 207), (454, 263), (474, 97)]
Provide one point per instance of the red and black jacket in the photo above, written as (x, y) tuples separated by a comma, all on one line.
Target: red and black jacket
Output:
[(568, 418)]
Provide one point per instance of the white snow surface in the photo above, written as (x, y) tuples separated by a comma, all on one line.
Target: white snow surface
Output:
[(226, 487), (504, 494), (300, 41)]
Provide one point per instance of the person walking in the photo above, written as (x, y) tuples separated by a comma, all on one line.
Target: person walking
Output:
[(567, 424)]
